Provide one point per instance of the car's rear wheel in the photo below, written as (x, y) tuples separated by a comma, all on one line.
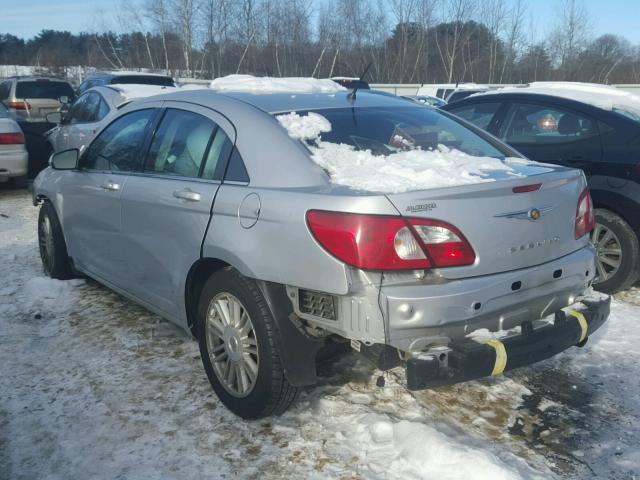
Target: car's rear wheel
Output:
[(618, 252), (240, 354), (53, 250)]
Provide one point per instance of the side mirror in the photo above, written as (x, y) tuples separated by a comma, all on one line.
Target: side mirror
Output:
[(54, 117), (65, 160)]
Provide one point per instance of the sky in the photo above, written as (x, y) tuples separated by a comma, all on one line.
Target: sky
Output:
[(25, 18)]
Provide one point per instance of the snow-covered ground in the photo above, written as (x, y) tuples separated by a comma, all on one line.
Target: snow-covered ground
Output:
[(93, 386)]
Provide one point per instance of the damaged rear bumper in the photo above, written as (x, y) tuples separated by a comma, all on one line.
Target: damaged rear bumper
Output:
[(470, 359)]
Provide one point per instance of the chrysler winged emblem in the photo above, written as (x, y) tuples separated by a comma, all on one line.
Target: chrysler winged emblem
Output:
[(531, 214)]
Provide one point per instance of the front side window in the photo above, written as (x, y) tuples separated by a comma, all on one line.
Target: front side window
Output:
[(388, 130), (91, 107), (480, 114), (528, 124), (118, 147), (179, 144)]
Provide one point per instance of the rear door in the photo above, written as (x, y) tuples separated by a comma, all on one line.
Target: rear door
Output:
[(92, 194), (166, 208), (552, 134)]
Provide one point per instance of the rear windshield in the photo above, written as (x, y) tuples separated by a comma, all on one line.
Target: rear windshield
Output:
[(387, 130), (144, 80), (43, 89)]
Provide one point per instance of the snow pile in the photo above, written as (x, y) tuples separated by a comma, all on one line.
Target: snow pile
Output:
[(133, 91), (605, 97), (46, 294), (398, 172), (249, 83)]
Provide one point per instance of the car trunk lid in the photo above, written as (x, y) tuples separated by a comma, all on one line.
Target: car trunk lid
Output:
[(512, 222)]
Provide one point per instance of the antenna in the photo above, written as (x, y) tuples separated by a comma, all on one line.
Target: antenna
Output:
[(352, 94)]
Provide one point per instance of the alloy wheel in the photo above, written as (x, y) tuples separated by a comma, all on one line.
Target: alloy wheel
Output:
[(232, 345), (609, 250)]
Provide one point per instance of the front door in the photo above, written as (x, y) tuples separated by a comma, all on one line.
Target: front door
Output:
[(92, 198)]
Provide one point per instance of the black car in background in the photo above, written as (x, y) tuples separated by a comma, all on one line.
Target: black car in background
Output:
[(99, 79), (595, 128)]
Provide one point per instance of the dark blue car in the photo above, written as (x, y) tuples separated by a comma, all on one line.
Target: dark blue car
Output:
[(592, 127)]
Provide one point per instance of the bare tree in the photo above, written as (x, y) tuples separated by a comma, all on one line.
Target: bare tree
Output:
[(456, 13), (570, 36)]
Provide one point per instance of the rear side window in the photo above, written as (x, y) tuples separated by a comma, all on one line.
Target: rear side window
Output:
[(179, 144), (236, 171), (219, 152), (43, 89), (480, 114), (144, 80), (118, 147), (545, 125)]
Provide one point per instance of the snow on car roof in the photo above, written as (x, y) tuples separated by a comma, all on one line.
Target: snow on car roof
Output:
[(601, 96), (251, 84), (132, 91)]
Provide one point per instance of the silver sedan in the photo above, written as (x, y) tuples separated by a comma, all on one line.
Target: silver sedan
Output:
[(270, 225)]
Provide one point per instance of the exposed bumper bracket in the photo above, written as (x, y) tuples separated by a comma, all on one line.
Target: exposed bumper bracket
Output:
[(469, 359)]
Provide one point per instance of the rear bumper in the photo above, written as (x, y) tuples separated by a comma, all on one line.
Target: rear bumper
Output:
[(471, 359), (13, 164)]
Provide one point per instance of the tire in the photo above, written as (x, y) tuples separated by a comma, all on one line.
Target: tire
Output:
[(53, 249), (269, 392), (615, 271)]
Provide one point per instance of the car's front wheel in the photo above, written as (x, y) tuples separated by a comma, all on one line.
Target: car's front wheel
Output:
[(618, 252), (53, 250), (240, 354)]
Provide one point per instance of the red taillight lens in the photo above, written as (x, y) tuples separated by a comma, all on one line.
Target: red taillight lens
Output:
[(14, 138), (377, 242), (444, 244), (19, 105), (585, 220), (534, 187)]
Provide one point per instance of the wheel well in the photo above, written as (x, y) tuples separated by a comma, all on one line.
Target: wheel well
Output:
[(618, 211), (198, 275)]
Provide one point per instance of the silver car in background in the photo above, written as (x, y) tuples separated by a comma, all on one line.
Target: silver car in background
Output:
[(90, 112), (201, 206), (14, 158)]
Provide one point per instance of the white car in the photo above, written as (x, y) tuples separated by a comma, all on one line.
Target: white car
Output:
[(91, 111), (14, 158)]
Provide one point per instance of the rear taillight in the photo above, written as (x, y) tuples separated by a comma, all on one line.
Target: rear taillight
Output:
[(19, 105), (585, 220), (13, 138), (377, 242)]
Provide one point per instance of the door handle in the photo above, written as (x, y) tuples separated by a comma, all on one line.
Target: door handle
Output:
[(187, 194), (112, 186)]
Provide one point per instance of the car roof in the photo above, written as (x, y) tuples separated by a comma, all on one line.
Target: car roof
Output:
[(599, 96), (287, 102), (22, 78)]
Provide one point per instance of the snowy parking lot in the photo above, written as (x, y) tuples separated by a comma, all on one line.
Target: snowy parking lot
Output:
[(94, 386)]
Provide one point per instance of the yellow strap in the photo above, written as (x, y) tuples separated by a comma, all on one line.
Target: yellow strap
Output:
[(583, 323), (501, 356)]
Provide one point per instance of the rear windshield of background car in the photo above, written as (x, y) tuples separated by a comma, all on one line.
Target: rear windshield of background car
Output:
[(43, 89), (387, 130), (143, 80)]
